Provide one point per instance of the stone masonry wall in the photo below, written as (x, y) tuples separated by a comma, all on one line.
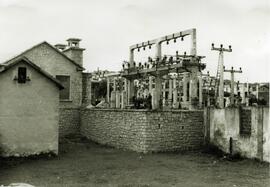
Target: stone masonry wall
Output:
[(69, 121), (142, 130)]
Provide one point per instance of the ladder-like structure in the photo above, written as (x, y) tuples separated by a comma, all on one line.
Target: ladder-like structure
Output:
[(217, 79), (219, 84)]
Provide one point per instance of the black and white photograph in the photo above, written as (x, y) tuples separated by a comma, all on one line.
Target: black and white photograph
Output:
[(134, 93)]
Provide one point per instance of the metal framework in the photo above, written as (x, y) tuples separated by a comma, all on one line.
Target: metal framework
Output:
[(160, 66), (158, 41)]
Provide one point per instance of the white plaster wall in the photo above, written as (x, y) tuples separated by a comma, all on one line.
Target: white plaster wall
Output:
[(224, 123), (266, 135), (29, 114)]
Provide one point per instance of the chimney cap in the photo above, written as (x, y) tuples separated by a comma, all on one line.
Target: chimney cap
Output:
[(73, 40)]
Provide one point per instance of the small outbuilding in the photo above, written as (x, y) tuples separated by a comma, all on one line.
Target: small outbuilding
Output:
[(29, 109)]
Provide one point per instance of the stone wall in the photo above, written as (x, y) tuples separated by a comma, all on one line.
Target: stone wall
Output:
[(69, 121), (224, 124), (142, 130)]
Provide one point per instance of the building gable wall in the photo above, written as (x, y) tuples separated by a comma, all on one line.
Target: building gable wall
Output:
[(55, 64), (29, 113)]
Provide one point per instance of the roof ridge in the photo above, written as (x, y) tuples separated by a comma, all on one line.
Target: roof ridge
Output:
[(44, 42), (20, 54), (75, 63), (36, 67)]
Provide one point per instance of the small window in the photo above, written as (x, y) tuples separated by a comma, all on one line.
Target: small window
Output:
[(65, 81), (198, 89), (187, 91), (22, 75), (245, 122)]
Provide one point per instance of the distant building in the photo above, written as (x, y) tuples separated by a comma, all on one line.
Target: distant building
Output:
[(101, 74), (264, 93), (29, 105), (243, 92)]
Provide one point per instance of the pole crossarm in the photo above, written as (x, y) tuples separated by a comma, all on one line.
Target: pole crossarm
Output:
[(221, 49), (158, 41), (164, 38), (233, 71)]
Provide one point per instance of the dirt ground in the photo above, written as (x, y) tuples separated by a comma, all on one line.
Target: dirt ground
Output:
[(82, 163)]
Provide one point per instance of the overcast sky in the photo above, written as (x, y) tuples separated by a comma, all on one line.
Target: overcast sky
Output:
[(108, 27)]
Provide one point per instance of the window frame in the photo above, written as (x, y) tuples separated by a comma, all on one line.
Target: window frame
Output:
[(69, 91), (19, 80)]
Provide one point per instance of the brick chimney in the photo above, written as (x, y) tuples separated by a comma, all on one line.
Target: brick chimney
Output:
[(73, 50)]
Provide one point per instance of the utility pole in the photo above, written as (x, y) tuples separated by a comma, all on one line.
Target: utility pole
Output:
[(220, 74), (232, 71)]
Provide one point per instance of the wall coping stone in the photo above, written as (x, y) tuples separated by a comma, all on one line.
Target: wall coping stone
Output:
[(70, 108), (139, 110), (235, 107)]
